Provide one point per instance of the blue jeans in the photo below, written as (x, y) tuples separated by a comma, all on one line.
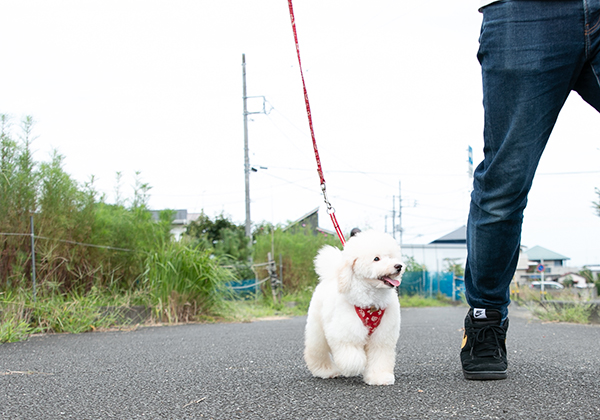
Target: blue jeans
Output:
[(533, 54)]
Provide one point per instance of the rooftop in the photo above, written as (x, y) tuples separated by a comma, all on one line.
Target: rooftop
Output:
[(538, 253), (459, 236)]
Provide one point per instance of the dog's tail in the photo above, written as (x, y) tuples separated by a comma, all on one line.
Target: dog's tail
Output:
[(328, 262)]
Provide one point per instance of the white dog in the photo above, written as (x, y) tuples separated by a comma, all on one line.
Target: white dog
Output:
[(354, 315)]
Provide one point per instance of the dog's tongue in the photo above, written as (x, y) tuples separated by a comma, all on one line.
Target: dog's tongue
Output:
[(394, 283)]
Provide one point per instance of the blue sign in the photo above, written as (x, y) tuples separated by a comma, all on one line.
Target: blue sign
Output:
[(540, 268), (470, 151)]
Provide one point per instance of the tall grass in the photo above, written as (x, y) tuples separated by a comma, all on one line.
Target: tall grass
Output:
[(17, 199), (89, 253), (185, 283), (68, 218)]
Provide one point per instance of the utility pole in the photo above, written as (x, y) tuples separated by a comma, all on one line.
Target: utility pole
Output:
[(397, 227), (394, 216), (400, 210), (246, 157)]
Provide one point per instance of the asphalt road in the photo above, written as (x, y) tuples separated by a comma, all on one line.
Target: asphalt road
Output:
[(255, 371)]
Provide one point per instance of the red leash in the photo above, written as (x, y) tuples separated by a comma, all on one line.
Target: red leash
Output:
[(330, 209)]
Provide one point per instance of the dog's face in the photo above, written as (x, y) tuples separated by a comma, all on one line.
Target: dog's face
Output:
[(380, 270), (374, 258)]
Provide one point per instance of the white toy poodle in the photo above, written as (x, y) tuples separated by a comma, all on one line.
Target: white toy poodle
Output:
[(354, 315)]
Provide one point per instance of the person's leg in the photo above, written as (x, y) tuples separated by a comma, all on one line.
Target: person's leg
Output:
[(588, 83), (531, 53)]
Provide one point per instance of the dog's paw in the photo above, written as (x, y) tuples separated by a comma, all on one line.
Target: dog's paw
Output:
[(350, 361), (379, 378), (326, 373)]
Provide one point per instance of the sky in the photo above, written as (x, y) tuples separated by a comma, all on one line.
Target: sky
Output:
[(155, 88)]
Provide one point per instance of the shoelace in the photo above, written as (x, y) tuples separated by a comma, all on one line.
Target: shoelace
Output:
[(480, 339)]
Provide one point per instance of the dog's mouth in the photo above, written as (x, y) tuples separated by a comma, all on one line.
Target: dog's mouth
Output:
[(390, 281)]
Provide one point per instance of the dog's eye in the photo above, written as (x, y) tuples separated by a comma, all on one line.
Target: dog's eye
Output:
[(376, 259)]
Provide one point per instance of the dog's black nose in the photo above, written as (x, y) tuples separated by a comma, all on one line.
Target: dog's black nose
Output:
[(398, 267)]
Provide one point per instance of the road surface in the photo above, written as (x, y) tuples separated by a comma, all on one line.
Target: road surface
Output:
[(255, 371)]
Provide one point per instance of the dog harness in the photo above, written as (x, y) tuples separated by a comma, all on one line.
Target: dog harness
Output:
[(370, 317)]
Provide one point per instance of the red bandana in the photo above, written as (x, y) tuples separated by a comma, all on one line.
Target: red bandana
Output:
[(370, 317)]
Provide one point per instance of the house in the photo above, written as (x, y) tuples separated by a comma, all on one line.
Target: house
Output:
[(309, 222), (575, 279), (534, 260), (549, 259)]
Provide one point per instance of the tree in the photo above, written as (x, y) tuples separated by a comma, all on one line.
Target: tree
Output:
[(412, 265), (453, 267), (220, 235), (586, 273)]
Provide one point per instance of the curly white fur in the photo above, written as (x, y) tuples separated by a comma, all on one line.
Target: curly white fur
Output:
[(336, 341)]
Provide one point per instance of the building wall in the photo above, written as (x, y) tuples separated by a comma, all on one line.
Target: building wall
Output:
[(434, 256)]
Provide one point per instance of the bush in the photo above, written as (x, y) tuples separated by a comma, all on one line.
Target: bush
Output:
[(298, 250), (569, 312)]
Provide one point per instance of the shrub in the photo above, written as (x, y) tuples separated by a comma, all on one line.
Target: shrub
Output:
[(570, 312), (298, 250)]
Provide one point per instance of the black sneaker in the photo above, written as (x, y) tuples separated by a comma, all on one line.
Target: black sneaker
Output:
[(483, 352)]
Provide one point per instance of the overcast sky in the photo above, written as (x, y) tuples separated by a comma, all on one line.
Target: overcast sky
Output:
[(394, 87)]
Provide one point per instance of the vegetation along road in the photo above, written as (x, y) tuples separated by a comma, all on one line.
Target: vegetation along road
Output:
[(255, 371)]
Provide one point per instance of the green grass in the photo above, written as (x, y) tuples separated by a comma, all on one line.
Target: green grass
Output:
[(14, 329), (296, 304), (575, 308), (249, 308), (416, 301), (577, 313), (21, 316)]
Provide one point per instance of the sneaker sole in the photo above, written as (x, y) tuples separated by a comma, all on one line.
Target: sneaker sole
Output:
[(485, 375)]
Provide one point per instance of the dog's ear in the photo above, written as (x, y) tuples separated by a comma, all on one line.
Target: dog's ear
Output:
[(345, 273)]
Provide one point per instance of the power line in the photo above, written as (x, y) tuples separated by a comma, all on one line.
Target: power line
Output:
[(426, 174)]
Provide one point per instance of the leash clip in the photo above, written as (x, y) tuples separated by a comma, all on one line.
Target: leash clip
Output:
[(330, 209)]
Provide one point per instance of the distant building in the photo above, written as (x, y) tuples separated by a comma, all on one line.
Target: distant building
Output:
[(180, 221), (577, 280), (436, 255), (544, 256), (458, 236), (533, 259), (453, 247), (309, 222)]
